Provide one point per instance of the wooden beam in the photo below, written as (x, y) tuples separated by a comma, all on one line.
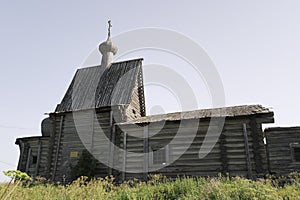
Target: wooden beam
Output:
[(111, 144), (124, 156), (257, 142), (50, 145), (224, 158), (146, 152), (38, 158), (22, 146), (268, 154), (248, 160), (28, 160), (93, 132), (57, 147)]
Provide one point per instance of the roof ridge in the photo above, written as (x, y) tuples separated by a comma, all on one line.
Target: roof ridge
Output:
[(119, 62), (232, 111)]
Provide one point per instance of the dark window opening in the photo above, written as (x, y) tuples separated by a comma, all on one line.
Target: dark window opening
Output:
[(295, 151), (159, 156), (34, 160), (297, 154), (134, 113)]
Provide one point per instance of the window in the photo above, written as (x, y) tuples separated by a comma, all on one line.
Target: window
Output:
[(295, 151), (34, 160), (73, 154), (297, 154), (159, 155)]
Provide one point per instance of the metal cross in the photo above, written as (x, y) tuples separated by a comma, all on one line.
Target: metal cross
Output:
[(109, 26)]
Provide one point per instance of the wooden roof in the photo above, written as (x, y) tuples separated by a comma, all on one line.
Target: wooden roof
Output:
[(284, 129), (96, 87), (235, 111), (31, 138)]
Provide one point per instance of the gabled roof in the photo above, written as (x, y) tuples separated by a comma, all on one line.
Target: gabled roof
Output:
[(235, 111), (96, 87)]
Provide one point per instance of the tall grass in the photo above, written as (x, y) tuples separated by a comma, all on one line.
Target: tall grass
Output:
[(158, 187)]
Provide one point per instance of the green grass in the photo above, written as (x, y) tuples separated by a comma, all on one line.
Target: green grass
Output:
[(157, 188)]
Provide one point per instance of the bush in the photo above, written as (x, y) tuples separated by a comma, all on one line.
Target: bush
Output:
[(86, 166)]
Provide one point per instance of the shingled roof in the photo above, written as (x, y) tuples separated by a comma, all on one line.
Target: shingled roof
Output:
[(234, 111), (95, 87)]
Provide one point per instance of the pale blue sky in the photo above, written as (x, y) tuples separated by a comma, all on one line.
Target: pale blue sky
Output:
[(255, 46)]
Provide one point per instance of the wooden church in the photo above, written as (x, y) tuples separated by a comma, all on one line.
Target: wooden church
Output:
[(103, 111)]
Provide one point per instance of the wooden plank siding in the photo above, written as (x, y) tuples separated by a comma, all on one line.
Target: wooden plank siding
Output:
[(96, 130), (135, 109), (279, 141), (89, 129), (79, 134), (38, 147), (227, 156)]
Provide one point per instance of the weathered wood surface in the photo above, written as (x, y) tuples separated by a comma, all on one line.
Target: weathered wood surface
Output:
[(247, 150), (228, 112), (91, 130), (279, 142), (34, 146), (94, 130), (227, 156), (95, 87)]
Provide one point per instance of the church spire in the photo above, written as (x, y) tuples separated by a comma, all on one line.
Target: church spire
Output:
[(109, 27), (107, 49)]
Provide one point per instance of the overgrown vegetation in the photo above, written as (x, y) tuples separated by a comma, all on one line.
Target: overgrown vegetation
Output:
[(86, 166), (159, 187)]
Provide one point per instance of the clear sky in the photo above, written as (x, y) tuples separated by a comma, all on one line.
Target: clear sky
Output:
[(255, 46)]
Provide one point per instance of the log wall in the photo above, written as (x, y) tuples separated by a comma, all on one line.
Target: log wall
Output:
[(280, 142), (228, 155), (34, 156), (73, 133)]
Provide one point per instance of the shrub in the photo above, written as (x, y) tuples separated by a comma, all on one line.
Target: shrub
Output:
[(86, 166)]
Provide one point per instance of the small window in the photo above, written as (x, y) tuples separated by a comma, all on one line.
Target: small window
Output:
[(159, 156), (297, 154), (73, 154), (295, 150), (34, 160), (134, 113)]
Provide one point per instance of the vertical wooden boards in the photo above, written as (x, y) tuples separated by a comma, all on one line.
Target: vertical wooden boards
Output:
[(248, 159), (146, 153), (141, 93), (223, 153), (259, 149), (93, 130), (22, 149), (111, 145), (134, 110), (124, 156), (38, 158), (58, 146), (28, 160)]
